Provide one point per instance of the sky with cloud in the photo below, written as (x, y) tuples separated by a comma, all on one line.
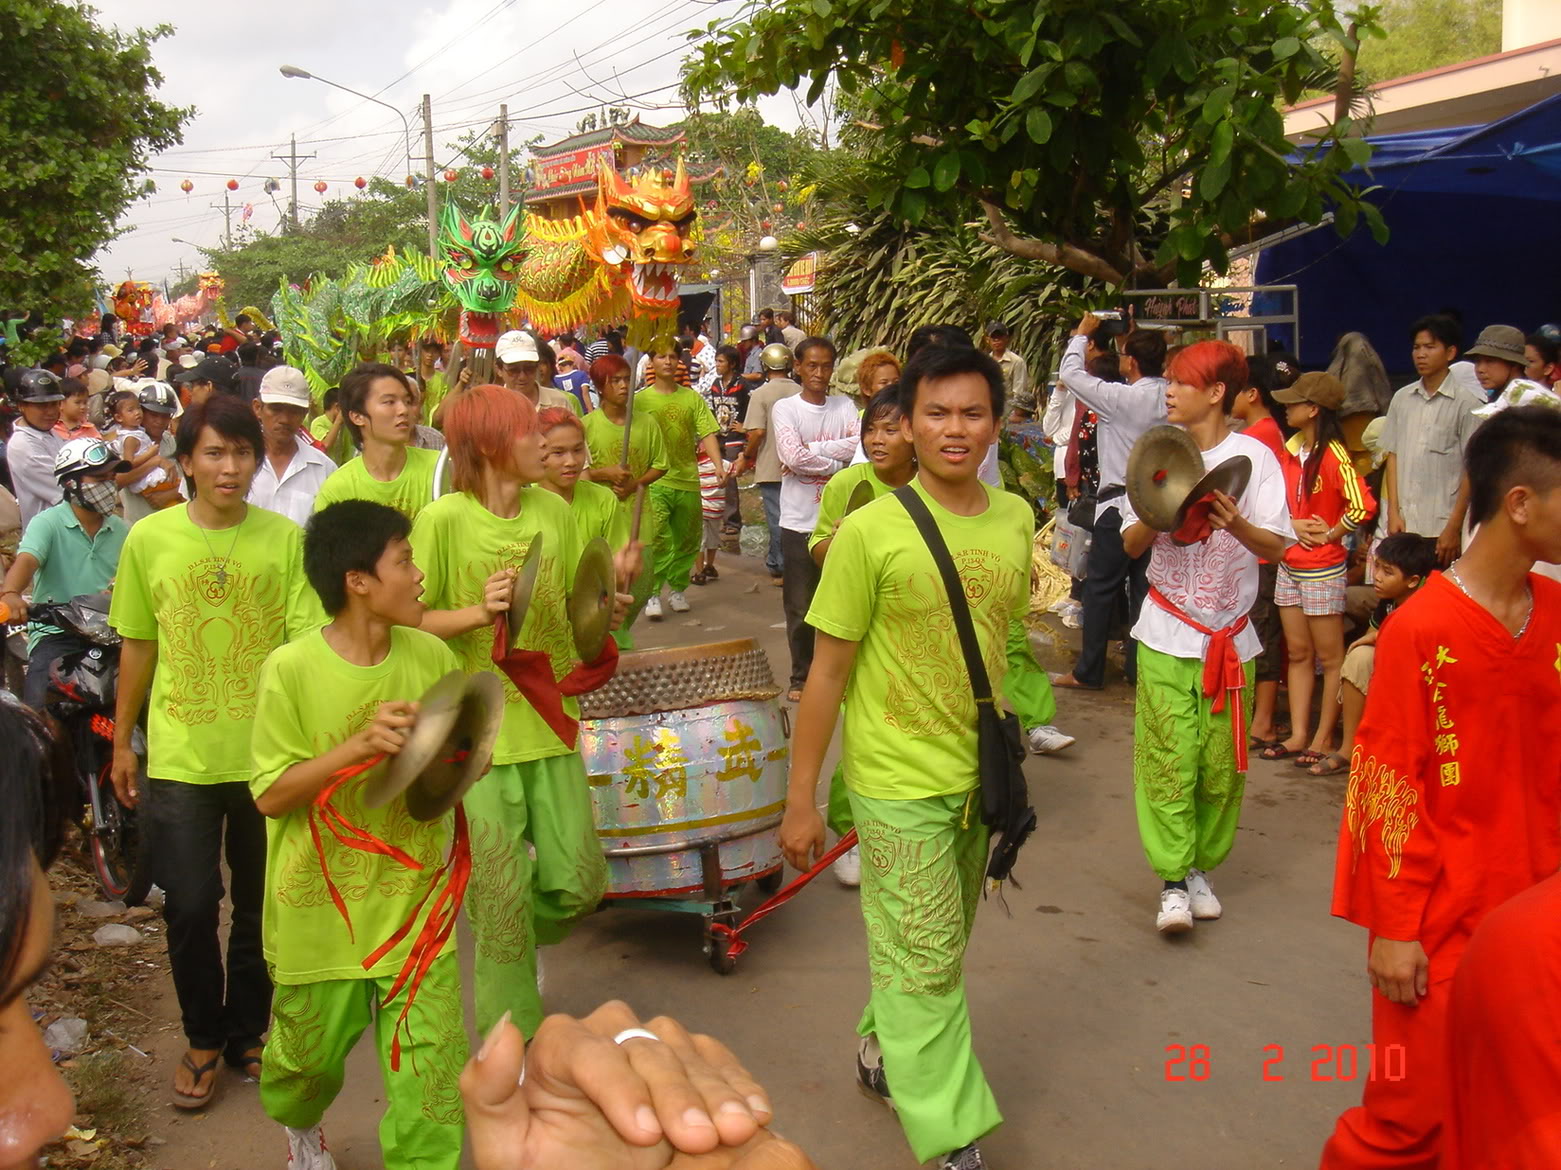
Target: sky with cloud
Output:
[(550, 61)]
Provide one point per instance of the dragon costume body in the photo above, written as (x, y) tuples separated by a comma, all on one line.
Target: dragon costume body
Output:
[(618, 260)]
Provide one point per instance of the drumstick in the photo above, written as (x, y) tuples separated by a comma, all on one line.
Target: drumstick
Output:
[(639, 511), (628, 424)]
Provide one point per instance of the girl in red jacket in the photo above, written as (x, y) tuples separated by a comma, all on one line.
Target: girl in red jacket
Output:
[(1327, 500)]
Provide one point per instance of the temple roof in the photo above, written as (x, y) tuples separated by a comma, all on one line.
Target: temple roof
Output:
[(635, 133)]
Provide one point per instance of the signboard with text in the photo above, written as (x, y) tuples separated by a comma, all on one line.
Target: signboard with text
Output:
[(575, 166), (800, 276)]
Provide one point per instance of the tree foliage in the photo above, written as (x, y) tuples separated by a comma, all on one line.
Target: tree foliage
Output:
[(78, 121), (1130, 142), (1427, 34)]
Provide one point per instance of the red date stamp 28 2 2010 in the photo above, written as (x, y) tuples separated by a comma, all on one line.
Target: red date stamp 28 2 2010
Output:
[(1329, 1062)]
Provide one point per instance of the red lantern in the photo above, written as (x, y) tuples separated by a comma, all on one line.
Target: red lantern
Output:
[(777, 208), (801, 226), (232, 184), (411, 181), (450, 175), (764, 224), (320, 186), (487, 172), (360, 182), (186, 186)]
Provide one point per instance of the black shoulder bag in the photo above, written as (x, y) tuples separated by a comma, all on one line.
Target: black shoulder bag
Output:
[(1005, 797)]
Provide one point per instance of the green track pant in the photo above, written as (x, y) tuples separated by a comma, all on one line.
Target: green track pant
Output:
[(679, 515), (315, 1025)]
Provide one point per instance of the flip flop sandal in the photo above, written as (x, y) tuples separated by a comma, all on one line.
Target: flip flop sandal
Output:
[(1262, 745), (1307, 758), (192, 1100), (1335, 764), (697, 578), (794, 695), (250, 1064), (1276, 751)]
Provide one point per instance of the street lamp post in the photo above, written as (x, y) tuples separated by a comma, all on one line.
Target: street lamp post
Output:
[(294, 71)]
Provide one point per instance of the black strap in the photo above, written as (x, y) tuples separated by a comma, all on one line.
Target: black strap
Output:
[(974, 666)]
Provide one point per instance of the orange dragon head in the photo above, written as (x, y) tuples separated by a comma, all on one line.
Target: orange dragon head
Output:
[(210, 283), (643, 228)]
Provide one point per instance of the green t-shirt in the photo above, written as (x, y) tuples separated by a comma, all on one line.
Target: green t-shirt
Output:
[(409, 493), (434, 391), (604, 440), (597, 513), (459, 544), (216, 603), (311, 699), (837, 494), (910, 724), (342, 449), (685, 418)]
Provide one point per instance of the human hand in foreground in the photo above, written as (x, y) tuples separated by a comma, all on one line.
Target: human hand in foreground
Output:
[(1400, 970), (387, 734), (682, 1102), (802, 835), (125, 774)]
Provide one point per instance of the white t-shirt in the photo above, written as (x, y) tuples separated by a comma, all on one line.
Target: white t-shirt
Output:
[(812, 442), (1214, 582)]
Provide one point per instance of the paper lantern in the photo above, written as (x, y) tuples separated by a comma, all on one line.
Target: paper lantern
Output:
[(232, 184), (487, 172), (781, 184), (360, 182), (186, 186), (801, 226), (777, 208), (450, 175), (320, 186), (764, 225), (411, 181)]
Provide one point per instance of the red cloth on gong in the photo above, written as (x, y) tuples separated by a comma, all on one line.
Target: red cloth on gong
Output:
[(1453, 807)]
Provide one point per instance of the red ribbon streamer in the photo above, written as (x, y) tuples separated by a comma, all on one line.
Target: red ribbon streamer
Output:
[(1223, 672), (736, 946), (348, 834), (532, 673)]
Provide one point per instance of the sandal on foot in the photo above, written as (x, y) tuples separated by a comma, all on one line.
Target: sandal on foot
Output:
[(697, 578), (250, 1063), (1254, 744), (794, 695), (711, 574), (1307, 758), (1330, 765), (1277, 751), (197, 1100)]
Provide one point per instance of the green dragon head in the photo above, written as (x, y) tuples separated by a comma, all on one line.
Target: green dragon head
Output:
[(481, 258)]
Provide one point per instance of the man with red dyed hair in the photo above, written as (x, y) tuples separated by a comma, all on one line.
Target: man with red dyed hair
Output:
[(1194, 643)]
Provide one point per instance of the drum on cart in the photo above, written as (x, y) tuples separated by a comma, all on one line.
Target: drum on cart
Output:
[(686, 750)]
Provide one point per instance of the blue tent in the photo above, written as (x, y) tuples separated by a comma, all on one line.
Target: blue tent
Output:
[(1475, 221)]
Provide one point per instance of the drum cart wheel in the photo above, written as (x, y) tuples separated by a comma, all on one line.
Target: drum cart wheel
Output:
[(770, 882), (722, 910)]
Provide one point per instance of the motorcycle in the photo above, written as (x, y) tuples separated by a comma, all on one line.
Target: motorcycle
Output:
[(81, 697)]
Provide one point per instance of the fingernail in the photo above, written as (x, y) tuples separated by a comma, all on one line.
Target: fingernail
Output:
[(759, 1105), (491, 1038), (736, 1107), (645, 1118), (697, 1119)]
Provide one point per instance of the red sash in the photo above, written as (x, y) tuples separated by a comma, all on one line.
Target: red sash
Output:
[(1223, 672)]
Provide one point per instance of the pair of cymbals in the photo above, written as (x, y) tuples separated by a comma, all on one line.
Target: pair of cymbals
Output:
[(592, 598), (525, 584), (1166, 479), (448, 749)]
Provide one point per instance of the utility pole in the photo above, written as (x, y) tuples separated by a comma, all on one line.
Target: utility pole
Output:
[(292, 158), (433, 195), (181, 270), (503, 161), (227, 220)]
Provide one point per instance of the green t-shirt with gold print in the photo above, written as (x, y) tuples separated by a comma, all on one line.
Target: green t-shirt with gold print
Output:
[(459, 544), (685, 419)]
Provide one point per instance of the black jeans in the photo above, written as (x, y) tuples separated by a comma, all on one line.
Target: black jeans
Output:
[(798, 581), (1109, 569), (186, 827), (50, 647)]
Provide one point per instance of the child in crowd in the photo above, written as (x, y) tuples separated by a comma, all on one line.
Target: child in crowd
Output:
[(594, 506), (150, 475), (74, 423), (1327, 501), (336, 699), (712, 499), (1403, 563)]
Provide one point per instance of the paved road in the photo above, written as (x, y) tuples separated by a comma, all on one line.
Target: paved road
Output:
[(1075, 998)]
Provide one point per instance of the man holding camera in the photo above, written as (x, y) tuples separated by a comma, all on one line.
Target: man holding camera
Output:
[(1125, 410)]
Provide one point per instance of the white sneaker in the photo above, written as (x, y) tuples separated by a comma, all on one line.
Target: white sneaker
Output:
[(848, 867), (1201, 895), (541, 982), (1073, 616), (652, 608), (678, 602), (1060, 606), (306, 1150), (1175, 915), (1047, 739)]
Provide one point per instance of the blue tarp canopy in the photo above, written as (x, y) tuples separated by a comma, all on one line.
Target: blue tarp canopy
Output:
[(1475, 221)]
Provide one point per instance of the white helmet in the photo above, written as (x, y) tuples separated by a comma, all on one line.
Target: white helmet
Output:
[(83, 456), (157, 396)]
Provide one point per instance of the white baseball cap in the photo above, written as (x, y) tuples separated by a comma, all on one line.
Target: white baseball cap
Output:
[(285, 386), (516, 346)]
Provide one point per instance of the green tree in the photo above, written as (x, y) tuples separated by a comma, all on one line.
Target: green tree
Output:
[(78, 121), (1426, 34), (1130, 142)]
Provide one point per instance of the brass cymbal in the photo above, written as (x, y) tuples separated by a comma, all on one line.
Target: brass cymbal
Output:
[(466, 752), (436, 714), (1229, 477), (1164, 465), (861, 495), (591, 599), (525, 584)]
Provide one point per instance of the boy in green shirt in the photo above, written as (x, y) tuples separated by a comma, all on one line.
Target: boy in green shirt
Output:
[(205, 591), (686, 426), (334, 699), (910, 765), (469, 544), (378, 405)]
